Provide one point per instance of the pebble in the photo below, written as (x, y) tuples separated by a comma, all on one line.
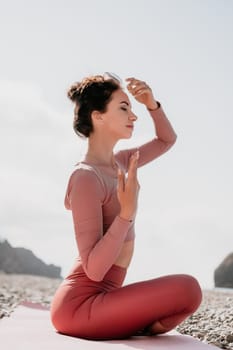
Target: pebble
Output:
[(212, 323), (17, 288)]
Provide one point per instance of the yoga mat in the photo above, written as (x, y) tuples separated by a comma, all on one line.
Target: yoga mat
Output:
[(29, 328)]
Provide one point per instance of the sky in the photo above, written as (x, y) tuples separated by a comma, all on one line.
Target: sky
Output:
[(184, 50)]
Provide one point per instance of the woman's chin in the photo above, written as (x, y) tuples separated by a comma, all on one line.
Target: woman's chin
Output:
[(129, 134), (126, 137)]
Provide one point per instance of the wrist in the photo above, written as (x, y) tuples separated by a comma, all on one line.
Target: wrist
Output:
[(153, 106), (126, 217)]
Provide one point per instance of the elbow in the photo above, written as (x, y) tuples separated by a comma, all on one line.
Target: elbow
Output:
[(174, 139), (94, 275), (93, 269), (169, 143)]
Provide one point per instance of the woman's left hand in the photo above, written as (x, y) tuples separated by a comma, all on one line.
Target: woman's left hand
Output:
[(141, 92)]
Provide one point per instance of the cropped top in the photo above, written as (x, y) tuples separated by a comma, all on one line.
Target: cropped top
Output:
[(91, 195)]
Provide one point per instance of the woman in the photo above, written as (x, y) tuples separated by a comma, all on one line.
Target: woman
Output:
[(91, 302)]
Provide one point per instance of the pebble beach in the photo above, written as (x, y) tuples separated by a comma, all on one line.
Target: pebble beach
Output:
[(212, 323)]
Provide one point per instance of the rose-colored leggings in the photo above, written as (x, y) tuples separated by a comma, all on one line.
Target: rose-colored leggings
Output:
[(106, 310)]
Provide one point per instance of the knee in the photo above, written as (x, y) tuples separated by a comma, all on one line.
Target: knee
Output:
[(192, 292)]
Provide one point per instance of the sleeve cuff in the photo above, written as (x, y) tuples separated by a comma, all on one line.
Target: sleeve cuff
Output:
[(125, 221), (155, 109)]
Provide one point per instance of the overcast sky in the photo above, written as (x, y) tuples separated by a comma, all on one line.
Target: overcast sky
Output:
[(184, 50)]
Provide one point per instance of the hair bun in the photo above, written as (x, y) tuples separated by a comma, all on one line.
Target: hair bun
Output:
[(93, 93), (74, 91)]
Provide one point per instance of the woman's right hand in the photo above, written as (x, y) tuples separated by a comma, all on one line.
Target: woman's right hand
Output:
[(128, 189)]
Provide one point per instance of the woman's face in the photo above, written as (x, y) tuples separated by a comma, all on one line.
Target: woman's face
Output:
[(119, 118)]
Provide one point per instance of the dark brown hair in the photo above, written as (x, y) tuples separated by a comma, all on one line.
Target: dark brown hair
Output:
[(91, 94)]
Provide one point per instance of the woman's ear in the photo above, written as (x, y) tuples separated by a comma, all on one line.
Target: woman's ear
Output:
[(96, 116)]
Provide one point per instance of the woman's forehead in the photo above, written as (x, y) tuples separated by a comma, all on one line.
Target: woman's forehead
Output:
[(120, 96)]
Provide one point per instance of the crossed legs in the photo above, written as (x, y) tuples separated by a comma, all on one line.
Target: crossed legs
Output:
[(157, 305)]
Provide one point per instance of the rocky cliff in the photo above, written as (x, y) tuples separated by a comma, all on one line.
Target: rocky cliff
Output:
[(223, 275), (23, 261)]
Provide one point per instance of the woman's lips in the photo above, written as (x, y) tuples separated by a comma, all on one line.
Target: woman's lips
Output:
[(129, 126)]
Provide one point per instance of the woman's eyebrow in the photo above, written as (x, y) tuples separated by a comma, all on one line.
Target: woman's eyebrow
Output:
[(125, 102)]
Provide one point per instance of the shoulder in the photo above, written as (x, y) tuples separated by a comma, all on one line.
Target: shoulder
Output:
[(84, 182), (86, 175)]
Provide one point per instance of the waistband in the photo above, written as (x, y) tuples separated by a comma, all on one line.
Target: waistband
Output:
[(116, 272), (114, 278)]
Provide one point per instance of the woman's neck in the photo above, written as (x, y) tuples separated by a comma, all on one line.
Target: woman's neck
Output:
[(100, 153)]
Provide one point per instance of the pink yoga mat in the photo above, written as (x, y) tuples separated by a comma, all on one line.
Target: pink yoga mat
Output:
[(29, 328)]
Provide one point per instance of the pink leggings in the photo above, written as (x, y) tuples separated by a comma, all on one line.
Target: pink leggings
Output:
[(106, 310)]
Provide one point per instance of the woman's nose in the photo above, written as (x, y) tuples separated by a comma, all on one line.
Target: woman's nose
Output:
[(133, 117)]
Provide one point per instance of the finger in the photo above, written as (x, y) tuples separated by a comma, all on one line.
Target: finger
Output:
[(132, 171), (132, 82), (134, 88), (121, 180), (135, 82), (140, 94), (140, 90), (130, 79)]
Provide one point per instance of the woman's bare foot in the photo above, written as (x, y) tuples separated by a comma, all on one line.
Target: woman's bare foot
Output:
[(153, 329), (157, 328)]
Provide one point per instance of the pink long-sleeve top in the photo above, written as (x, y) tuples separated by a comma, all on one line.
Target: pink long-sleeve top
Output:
[(91, 195)]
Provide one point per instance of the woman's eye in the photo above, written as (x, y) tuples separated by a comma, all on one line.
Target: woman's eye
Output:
[(124, 109)]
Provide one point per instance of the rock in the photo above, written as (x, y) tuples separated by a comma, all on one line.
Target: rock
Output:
[(23, 261), (229, 338), (223, 275)]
